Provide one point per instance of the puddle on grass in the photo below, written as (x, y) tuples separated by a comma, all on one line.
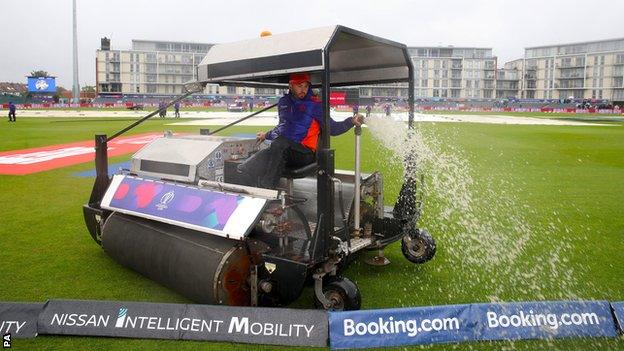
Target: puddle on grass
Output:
[(493, 247)]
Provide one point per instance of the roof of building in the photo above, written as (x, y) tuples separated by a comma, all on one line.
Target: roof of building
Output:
[(449, 47), (575, 43), (170, 42)]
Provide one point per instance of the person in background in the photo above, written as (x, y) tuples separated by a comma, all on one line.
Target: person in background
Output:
[(368, 110), (176, 108), (161, 106), (12, 109), (356, 109), (294, 139)]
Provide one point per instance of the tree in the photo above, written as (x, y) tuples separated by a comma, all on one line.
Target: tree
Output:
[(88, 89), (39, 73)]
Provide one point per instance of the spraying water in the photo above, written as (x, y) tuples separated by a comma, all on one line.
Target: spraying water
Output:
[(479, 224)]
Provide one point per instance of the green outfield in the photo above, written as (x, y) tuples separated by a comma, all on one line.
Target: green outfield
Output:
[(557, 191)]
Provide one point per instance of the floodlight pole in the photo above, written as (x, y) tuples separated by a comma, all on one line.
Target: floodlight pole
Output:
[(76, 85)]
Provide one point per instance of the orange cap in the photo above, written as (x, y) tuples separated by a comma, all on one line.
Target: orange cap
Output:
[(265, 33)]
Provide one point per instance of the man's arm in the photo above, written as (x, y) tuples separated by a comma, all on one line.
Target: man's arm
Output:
[(279, 128), (337, 128)]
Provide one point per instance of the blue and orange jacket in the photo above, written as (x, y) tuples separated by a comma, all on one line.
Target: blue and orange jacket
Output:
[(301, 120)]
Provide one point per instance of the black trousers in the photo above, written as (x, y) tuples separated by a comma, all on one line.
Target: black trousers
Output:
[(11, 116), (265, 167)]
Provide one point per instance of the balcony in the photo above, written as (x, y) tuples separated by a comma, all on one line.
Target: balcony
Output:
[(571, 76), (570, 65), (565, 87)]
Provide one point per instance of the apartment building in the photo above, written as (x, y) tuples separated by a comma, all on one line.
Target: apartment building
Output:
[(588, 70), (509, 80), (454, 72), (156, 68)]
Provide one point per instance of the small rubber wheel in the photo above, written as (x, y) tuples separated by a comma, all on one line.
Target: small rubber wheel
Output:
[(418, 247), (342, 292)]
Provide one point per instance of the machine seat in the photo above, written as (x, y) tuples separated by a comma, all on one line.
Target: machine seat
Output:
[(302, 172)]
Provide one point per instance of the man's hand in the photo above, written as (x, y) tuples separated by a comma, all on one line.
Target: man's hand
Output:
[(357, 120), (260, 136)]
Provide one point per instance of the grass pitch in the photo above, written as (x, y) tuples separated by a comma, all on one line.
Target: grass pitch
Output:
[(568, 179)]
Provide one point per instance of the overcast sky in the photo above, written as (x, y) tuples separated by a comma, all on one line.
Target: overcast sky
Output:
[(38, 34)]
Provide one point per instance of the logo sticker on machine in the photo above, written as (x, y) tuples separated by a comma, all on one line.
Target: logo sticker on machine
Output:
[(226, 214), (164, 200)]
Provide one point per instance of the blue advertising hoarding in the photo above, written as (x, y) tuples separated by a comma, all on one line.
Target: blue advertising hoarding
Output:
[(618, 312), (401, 326), (457, 323), (42, 84), (543, 320)]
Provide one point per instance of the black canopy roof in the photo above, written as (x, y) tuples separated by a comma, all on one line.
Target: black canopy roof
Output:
[(354, 58)]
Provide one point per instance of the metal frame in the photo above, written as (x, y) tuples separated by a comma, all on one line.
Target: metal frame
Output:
[(325, 188), (325, 155)]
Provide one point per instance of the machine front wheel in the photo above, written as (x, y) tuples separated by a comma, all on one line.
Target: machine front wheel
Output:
[(343, 294), (418, 247)]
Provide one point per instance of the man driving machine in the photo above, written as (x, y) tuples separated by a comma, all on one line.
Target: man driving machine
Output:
[(295, 138)]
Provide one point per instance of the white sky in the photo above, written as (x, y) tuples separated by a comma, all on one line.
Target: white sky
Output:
[(37, 34)]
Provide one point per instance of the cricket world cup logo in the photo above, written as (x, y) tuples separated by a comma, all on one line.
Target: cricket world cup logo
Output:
[(164, 200), (41, 84)]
